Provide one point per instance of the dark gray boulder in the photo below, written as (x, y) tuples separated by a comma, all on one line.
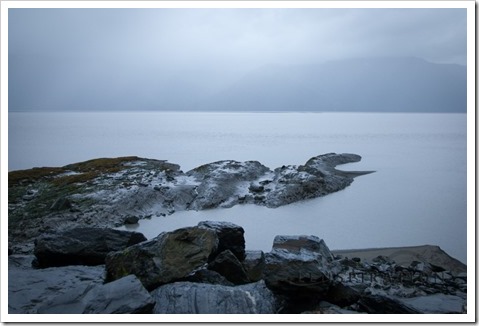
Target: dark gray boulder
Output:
[(254, 264), (436, 304), (124, 296), (28, 287), (131, 219), (207, 276), (379, 304), (342, 295), (169, 256), (299, 266), (230, 267), (82, 246), (230, 236), (197, 298)]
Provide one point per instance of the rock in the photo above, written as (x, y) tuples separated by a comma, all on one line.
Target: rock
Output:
[(436, 304), (197, 298), (378, 304), (254, 264), (325, 307), (298, 266), (307, 244), (342, 295), (207, 276), (60, 204), (230, 267), (28, 287), (131, 219), (169, 256), (220, 182), (230, 236), (82, 246), (318, 177), (124, 296), (106, 190)]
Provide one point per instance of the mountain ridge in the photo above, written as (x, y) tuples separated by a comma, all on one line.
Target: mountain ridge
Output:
[(386, 84)]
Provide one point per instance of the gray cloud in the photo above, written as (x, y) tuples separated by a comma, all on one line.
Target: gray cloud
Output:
[(169, 58)]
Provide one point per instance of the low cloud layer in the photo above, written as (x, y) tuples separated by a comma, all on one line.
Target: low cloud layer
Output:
[(63, 59)]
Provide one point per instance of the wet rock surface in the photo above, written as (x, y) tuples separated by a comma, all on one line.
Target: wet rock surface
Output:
[(110, 192), (197, 298), (183, 272), (168, 257), (82, 246)]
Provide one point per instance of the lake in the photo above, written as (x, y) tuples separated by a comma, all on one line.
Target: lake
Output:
[(416, 196)]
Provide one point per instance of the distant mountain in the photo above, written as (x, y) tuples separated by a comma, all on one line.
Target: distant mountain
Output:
[(363, 84)]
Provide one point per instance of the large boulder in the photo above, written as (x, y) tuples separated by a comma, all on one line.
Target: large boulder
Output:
[(124, 296), (230, 267), (165, 258), (436, 304), (207, 276), (230, 236), (82, 246), (380, 304), (28, 287), (299, 266), (197, 298), (253, 264)]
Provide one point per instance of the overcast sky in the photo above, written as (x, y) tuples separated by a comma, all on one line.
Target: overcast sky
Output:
[(134, 58)]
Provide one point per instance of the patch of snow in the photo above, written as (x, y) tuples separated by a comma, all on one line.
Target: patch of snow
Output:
[(135, 163)]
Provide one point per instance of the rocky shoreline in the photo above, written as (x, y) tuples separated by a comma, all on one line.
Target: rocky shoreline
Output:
[(206, 269), (65, 255), (110, 192)]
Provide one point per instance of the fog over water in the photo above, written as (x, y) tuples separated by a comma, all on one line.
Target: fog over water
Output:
[(204, 59), (417, 196)]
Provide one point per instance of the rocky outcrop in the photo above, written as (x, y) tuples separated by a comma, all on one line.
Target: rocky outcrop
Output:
[(168, 257), (110, 192), (196, 298), (184, 272), (82, 246)]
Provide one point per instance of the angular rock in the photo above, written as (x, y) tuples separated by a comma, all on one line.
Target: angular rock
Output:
[(436, 304), (378, 304), (28, 287), (131, 219), (82, 246), (298, 266), (207, 276), (169, 256), (230, 267), (342, 295), (254, 264), (230, 236), (197, 298), (307, 244), (124, 296)]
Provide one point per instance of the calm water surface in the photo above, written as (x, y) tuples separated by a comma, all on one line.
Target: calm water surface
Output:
[(417, 196)]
